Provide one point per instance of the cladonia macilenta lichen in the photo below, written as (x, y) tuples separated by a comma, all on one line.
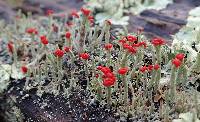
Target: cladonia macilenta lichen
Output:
[(121, 71)]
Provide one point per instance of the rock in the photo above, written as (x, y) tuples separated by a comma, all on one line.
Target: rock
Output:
[(6, 12), (37, 7), (164, 22)]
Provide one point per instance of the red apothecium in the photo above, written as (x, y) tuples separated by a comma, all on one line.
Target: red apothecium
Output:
[(68, 35), (84, 56), (108, 75), (59, 53), (126, 46), (122, 41), (143, 69), (123, 71), (97, 75), (85, 11), (44, 40), (180, 56), (150, 67), (105, 70), (157, 41), (24, 69), (132, 50), (156, 66), (107, 82), (143, 43), (136, 45), (91, 19), (67, 49), (74, 13), (108, 46), (31, 31), (176, 62), (99, 67), (131, 38), (49, 12)]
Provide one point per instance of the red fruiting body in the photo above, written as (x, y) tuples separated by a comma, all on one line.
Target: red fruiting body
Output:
[(136, 45), (74, 13), (24, 69), (123, 71), (180, 56), (113, 78), (59, 53), (143, 43), (99, 67), (176, 62), (85, 11), (10, 47), (150, 67), (108, 46), (84, 56), (108, 75), (31, 31), (158, 41), (131, 38), (122, 41), (156, 66), (44, 40), (132, 50), (107, 82), (97, 75), (105, 70), (129, 48), (143, 69), (67, 49), (91, 19), (49, 12), (68, 35), (126, 46)]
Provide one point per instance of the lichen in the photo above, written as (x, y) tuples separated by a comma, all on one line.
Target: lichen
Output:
[(5, 71)]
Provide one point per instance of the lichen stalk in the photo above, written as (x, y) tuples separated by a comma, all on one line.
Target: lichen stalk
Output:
[(125, 90), (109, 92), (82, 34), (87, 74), (158, 72), (173, 83)]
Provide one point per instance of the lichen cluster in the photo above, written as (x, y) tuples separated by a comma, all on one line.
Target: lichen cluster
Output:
[(137, 76)]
